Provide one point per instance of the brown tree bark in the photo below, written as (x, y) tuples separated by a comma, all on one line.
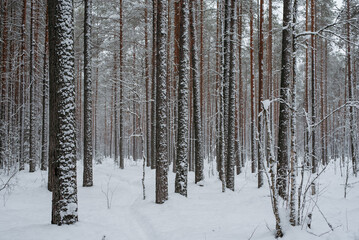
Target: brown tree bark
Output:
[(148, 89), (260, 95), (253, 108)]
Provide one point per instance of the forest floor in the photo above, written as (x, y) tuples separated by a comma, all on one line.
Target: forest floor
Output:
[(207, 213)]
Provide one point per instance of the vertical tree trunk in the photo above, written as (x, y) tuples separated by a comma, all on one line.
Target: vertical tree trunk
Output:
[(241, 114), (293, 152), (217, 88), (88, 151), (154, 84), (270, 82), (313, 89), (148, 103), (253, 109), (22, 83), (350, 95), (32, 161), (260, 95), (161, 103), (45, 83), (121, 125), (115, 108), (4, 102), (62, 149), (176, 57), (182, 125), (197, 101), (284, 112), (231, 100)]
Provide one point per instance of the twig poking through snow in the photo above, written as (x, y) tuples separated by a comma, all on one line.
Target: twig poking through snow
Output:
[(255, 229)]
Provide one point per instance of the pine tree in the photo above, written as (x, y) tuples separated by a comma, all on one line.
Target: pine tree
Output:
[(350, 93), (148, 86), (161, 104), (284, 111), (313, 83), (3, 106), (198, 158), (121, 124), (260, 95), (45, 86), (154, 85), (22, 86), (293, 145), (182, 126), (230, 161), (88, 152), (62, 149), (33, 81), (253, 109)]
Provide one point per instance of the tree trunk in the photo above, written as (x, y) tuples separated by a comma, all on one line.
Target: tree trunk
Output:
[(197, 101), (45, 85), (88, 151), (253, 109), (154, 84), (293, 152), (313, 89), (32, 161), (161, 104), (62, 149), (284, 111), (230, 160), (4, 102), (260, 95), (182, 125), (121, 124), (350, 95), (148, 103)]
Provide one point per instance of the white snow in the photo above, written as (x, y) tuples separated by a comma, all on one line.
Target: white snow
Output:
[(206, 214), (266, 103)]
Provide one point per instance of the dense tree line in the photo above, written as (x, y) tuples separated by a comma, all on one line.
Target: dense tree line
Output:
[(267, 84)]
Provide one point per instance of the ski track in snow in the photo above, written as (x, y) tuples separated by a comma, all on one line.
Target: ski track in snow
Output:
[(206, 214)]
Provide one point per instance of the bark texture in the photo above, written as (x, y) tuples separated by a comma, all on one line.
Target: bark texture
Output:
[(62, 150)]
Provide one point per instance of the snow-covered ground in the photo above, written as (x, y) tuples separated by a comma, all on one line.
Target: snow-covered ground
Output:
[(206, 214)]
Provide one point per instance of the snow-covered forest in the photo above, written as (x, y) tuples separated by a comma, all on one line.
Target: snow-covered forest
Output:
[(179, 119)]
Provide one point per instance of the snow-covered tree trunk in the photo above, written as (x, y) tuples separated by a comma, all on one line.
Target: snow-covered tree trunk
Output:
[(223, 101), (121, 123), (350, 95), (62, 150), (313, 88), (45, 107), (253, 108), (3, 102), (293, 145), (261, 150), (148, 87), (230, 160), (88, 152), (161, 104), (272, 179), (115, 106), (22, 83), (198, 158), (154, 85), (284, 111), (183, 81), (241, 119), (32, 161)]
